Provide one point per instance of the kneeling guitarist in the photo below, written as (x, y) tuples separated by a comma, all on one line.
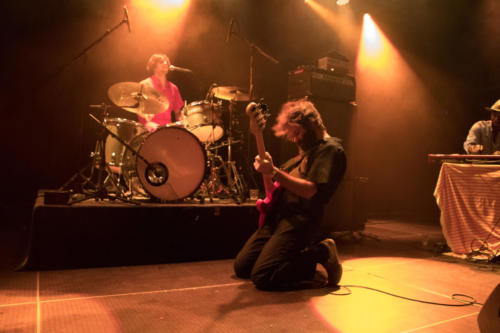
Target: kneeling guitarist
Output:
[(285, 249)]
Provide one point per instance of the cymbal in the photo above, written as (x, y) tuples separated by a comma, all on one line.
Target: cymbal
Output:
[(231, 93), (137, 98)]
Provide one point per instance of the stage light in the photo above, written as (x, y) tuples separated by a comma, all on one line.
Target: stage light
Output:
[(169, 3), (162, 5), (392, 101), (374, 48), (161, 21), (338, 2), (342, 2)]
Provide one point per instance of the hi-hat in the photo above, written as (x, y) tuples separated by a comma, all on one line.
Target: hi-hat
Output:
[(137, 98), (231, 93)]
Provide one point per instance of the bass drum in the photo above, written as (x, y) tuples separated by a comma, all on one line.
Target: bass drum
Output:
[(176, 166)]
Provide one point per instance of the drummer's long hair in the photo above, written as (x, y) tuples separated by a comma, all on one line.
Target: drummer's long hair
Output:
[(155, 60)]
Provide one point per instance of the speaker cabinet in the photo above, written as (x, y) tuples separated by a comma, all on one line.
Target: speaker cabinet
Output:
[(347, 209), (489, 317)]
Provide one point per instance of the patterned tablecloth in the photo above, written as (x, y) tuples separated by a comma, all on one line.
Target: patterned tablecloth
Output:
[(469, 198)]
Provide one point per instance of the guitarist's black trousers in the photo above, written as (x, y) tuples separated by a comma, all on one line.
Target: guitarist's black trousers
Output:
[(280, 254)]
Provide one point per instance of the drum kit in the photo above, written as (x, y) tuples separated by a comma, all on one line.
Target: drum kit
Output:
[(185, 159)]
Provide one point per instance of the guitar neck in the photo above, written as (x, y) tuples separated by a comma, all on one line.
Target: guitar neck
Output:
[(261, 148)]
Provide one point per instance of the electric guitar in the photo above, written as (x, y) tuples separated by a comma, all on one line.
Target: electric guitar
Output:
[(258, 115)]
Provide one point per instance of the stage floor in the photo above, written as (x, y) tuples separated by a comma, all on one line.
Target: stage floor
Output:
[(205, 296)]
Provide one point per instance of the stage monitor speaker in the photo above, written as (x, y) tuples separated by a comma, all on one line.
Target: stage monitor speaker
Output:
[(347, 209), (489, 317)]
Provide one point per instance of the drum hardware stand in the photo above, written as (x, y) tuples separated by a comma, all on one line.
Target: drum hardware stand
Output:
[(234, 181), (96, 155), (100, 152), (100, 191), (212, 184)]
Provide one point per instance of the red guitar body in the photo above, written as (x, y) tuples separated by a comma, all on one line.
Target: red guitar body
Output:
[(265, 205)]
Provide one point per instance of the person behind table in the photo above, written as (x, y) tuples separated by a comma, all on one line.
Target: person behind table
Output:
[(484, 135), (282, 254), (158, 66)]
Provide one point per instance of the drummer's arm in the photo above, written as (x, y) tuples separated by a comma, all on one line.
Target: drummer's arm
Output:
[(178, 115)]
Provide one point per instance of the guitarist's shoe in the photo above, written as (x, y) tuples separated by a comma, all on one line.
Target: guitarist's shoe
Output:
[(332, 264)]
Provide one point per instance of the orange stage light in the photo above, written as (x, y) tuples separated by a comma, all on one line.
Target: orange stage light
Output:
[(162, 9), (392, 102), (162, 20), (375, 49)]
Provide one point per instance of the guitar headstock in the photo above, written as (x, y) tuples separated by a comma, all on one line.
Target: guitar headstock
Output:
[(258, 114)]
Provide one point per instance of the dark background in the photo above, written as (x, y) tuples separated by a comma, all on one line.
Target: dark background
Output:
[(451, 45)]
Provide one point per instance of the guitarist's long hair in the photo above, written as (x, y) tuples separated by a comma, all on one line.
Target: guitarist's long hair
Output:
[(301, 112)]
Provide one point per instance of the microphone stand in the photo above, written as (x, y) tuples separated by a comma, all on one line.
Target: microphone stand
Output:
[(254, 49), (63, 67), (86, 49)]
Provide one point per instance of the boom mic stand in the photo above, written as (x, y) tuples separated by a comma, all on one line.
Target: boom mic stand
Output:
[(86, 49), (253, 50), (62, 68)]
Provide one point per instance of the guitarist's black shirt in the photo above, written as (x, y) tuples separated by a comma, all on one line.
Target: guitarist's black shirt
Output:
[(324, 164)]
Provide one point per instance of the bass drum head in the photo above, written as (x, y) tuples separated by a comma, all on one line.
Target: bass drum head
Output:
[(181, 156)]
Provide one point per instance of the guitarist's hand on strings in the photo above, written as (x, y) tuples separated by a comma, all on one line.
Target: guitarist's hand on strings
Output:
[(298, 186), (264, 165)]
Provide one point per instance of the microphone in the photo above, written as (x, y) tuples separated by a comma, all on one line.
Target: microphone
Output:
[(230, 30), (125, 13), (179, 69)]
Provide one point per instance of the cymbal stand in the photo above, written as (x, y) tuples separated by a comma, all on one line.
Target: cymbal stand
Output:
[(214, 187), (234, 180)]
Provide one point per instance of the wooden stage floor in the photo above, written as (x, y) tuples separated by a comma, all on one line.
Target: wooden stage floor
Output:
[(205, 296)]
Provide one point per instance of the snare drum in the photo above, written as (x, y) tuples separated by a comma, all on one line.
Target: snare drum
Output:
[(126, 130), (177, 163), (203, 119)]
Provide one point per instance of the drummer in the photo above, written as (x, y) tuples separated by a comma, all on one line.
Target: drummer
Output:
[(158, 66)]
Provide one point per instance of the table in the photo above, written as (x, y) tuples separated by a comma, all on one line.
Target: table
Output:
[(468, 196)]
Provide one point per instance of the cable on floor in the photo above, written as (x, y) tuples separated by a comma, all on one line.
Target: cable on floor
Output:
[(465, 300)]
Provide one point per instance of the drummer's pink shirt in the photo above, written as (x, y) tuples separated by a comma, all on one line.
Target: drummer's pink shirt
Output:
[(173, 95)]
